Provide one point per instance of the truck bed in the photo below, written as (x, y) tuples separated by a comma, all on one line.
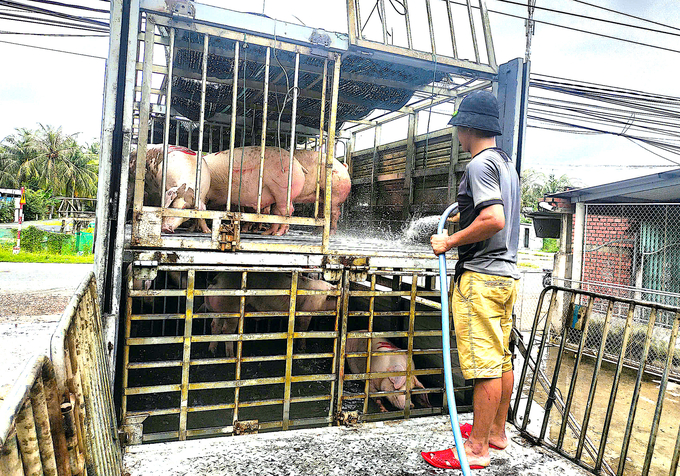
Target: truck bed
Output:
[(377, 449)]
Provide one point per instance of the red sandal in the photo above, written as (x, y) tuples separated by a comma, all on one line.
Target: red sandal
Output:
[(466, 429), (445, 459)]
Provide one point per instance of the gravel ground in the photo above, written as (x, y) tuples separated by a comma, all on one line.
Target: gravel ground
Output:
[(32, 299)]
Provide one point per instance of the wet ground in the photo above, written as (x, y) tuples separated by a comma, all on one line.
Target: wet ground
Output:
[(376, 449), (32, 298)]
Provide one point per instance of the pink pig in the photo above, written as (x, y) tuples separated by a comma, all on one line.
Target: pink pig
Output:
[(385, 363)]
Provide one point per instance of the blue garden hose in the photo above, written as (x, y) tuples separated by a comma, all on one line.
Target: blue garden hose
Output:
[(446, 348)]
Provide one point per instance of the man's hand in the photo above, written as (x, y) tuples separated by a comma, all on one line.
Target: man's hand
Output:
[(440, 243)]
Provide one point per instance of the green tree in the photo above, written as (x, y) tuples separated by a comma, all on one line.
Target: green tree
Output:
[(49, 159), (535, 185), (17, 150)]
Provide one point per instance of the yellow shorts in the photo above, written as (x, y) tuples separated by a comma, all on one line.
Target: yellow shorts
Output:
[(482, 316)]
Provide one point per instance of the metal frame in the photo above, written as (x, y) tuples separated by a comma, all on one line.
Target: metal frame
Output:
[(533, 374), (356, 283)]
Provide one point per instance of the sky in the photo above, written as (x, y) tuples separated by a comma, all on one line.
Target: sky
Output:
[(59, 89)]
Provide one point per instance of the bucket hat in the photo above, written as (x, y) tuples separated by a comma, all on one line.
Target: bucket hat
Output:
[(478, 110)]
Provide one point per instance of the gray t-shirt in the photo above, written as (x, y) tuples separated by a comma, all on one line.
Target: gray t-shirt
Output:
[(490, 178)]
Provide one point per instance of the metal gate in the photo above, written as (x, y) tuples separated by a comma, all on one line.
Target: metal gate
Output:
[(589, 405), (282, 361)]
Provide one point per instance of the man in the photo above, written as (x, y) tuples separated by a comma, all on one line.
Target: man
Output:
[(486, 274)]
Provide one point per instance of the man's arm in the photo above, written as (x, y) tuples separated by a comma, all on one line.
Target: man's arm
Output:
[(490, 221)]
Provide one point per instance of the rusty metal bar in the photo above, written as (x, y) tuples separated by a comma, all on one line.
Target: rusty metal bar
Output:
[(556, 372), (176, 131), (369, 341), (411, 329), (593, 382), (201, 125), (407, 20), (263, 139), (472, 29), (662, 393), (143, 135), (186, 355), (10, 460), (42, 425), (293, 123), (488, 39), (330, 155), (636, 392), (232, 134), (168, 105), (453, 34), (28, 440), (341, 306), (343, 340), (574, 375), (239, 344), (322, 117), (525, 367), (428, 8), (676, 456), (289, 349), (383, 19)]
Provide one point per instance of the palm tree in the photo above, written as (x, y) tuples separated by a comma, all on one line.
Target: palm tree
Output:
[(16, 151), (79, 171), (52, 147)]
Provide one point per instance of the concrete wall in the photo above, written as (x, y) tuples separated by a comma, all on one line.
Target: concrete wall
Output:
[(527, 236)]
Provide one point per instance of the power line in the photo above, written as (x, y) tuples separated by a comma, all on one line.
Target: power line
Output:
[(587, 17), (626, 14), (78, 7), (51, 34), (52, 49), (571, 28), (43, 11), (49, 22)]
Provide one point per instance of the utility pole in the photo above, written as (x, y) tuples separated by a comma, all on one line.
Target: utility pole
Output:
[(531, 29)]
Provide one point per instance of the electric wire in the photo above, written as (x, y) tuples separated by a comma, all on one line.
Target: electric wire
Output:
[(50, 22), (43, 11), (77, 7), (63, 35), (580, 30), (587, 17), (626, 14), (53, 49)]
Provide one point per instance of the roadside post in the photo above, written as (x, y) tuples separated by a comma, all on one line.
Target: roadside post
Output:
[(22, 202)]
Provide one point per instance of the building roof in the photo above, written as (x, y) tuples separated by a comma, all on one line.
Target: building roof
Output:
[(661, 187)]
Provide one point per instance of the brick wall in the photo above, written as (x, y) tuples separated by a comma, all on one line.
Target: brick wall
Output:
[(608, 255)]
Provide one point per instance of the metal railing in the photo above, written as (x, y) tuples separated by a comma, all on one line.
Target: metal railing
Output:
[(600, 434), (59, 417)]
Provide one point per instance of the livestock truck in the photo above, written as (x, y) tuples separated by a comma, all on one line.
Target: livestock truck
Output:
[(195, 323)]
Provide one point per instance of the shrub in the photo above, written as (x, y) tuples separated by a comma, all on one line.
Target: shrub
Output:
[(32, 239), (6, 211), (38, 204), (551, 245)]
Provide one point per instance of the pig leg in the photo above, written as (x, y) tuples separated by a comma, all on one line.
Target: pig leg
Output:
[(382, 408), (301, 325), (215, 329), (421, 398)]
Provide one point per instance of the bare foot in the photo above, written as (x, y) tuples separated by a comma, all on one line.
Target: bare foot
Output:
[(499, 441), (476, 458), (498, 438)]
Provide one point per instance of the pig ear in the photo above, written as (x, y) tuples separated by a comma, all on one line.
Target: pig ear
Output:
[(189, 198), (170, 195), (400, 380)]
